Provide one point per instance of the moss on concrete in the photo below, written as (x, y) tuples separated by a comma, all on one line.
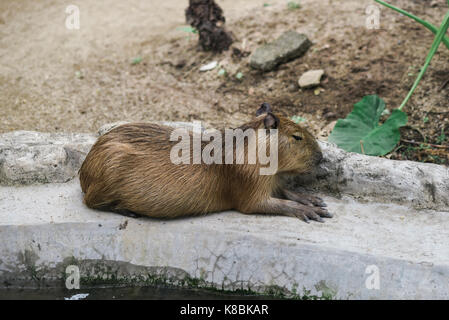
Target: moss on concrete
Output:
[(104, 273)]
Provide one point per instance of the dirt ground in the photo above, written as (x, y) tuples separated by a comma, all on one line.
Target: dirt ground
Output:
[(55, 79)]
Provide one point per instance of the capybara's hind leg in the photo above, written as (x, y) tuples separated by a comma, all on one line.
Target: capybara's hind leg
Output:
[(92, 200), (95, 196), (125, 212)]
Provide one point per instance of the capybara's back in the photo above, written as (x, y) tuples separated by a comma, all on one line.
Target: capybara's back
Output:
[(129, 169)]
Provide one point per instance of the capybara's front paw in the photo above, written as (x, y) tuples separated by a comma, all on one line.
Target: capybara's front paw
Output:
[(304, 198), (308, 212)]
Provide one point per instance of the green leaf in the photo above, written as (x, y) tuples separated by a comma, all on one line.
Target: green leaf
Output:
[(360, 131), (298, 119), (136, 60), (441, 138), (188, 29), (292, 5), (222, 72)]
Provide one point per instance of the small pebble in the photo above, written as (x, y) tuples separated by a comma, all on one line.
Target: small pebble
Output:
[(209, 66), (311, 78)]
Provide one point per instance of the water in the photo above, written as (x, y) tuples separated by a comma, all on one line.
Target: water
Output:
[(124, 293)]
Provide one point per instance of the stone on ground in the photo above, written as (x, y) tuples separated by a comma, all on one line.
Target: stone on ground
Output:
[(209, 66), (288, 46), (310, 78)]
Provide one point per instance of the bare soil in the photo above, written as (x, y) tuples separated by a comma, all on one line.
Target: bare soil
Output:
[(55, 79)]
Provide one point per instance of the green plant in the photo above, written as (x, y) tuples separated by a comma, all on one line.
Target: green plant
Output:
[(442, 137), (188, 29), (136, 60), (79, 75), (439, 37), (298, 119), (222, 72), (360, 130), (292, 5), (425, 23)]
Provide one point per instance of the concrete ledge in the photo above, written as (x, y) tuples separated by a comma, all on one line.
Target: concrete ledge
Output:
[(44, 228)]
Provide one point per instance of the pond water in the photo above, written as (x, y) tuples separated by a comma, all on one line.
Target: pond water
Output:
[(123, 293)]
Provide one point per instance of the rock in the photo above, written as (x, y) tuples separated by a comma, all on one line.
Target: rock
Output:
[(419, 185), (288, 46), (180, 63), (28, 157), (434, 4), (330, 115), (310, 78), (209, 66), (293, 87)]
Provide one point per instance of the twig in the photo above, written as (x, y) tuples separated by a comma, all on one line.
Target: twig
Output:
[(443, 85), (416, 129), (388, 60), (361, 147), (196, 66), (429, 144), (397, 148)]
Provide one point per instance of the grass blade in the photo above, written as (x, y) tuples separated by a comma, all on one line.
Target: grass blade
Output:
[(425, 23), (436, 42)]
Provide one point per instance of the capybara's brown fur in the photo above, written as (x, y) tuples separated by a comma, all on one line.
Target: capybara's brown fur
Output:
[(129, 170)]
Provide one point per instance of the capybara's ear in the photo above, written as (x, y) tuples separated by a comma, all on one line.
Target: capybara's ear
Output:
[(264, 108), (271, 121)]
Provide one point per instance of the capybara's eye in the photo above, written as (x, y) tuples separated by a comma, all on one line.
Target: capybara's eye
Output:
[(297, 137)]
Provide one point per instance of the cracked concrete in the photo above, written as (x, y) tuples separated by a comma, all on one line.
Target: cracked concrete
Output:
[(28, 157), (46, 226)]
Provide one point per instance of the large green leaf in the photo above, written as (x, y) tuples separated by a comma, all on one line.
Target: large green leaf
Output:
[(360, 131)]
